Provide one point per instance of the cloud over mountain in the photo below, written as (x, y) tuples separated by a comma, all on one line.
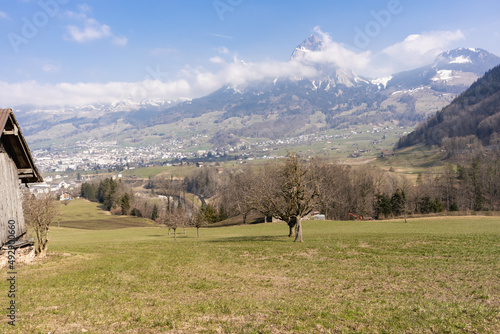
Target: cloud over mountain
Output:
[(321, 54), (421, 49)]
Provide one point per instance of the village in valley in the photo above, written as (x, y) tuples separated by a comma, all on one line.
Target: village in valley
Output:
[(66, 168)]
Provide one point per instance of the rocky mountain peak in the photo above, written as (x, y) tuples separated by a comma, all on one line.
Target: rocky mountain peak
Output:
[(311, 44)]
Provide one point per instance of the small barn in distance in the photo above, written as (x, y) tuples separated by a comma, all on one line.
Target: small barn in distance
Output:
[(16, 167)]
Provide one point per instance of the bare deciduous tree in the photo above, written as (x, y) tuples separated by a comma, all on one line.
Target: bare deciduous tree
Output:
[(171, 220), (197, 220), (286, 192), (236, 192), (39, 213)]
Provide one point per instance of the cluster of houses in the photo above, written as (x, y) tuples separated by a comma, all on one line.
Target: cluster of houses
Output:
[(58, 187), (93, 154)]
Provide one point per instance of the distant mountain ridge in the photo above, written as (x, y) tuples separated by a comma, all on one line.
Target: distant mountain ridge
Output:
[(452, 71), (474, 112), (339, 95), (275, 108), (477, 61)]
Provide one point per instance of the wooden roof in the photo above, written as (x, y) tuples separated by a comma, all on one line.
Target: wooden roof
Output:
[(14, 143)]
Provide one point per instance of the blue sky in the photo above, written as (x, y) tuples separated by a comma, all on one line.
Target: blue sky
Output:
[(78, 52)]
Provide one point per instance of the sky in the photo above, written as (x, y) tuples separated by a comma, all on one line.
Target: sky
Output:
[(69, 52)]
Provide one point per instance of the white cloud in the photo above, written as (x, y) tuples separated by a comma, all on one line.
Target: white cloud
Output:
[(192, 82), (32, 92), (4, 15), (217, 60), (90, 29), (241, 73), (421, 49), (309, 65), (336, 55)]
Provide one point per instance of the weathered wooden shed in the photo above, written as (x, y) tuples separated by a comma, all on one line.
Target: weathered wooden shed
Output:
[(16, 167)]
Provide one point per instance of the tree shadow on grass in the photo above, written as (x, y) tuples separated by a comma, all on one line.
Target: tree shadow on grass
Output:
[(274, 238), (179, 236)]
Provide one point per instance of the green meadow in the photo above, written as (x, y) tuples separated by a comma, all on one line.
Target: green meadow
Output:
[(83, 214), (430, 275)]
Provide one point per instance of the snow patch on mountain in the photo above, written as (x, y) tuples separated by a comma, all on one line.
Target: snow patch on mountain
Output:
[(461, 60), (382, 81), (443, 75), (409, 91)]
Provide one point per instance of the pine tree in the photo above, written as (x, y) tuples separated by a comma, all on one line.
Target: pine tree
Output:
[(125, 203), (154, 215)]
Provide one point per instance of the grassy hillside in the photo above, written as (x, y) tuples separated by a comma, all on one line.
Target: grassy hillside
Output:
[(429, 275), (83, 214)]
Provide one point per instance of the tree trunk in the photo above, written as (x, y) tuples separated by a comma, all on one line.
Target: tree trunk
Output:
[(42, 245), (169, 231), (42, 254), (198, 231), (184, 230), (175, 233), (298, 230), (244, 218), (290, 227)]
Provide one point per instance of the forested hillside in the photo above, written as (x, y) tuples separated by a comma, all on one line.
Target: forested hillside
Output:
[(476, 112)]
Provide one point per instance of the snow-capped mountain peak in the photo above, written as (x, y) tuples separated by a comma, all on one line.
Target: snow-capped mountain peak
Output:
[(473, 60), (311, 44), (329, 73)]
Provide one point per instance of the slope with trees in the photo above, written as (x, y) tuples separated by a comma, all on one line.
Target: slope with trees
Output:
[(476, 112)]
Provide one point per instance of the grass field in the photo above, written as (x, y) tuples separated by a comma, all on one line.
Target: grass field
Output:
[(433, 275), (82, 214)]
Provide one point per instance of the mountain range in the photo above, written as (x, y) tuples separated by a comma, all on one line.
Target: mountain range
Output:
[(277, 108)]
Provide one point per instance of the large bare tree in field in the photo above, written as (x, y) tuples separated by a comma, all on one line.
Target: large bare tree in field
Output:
[(287, 192), (39, 213), (298, 191)]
